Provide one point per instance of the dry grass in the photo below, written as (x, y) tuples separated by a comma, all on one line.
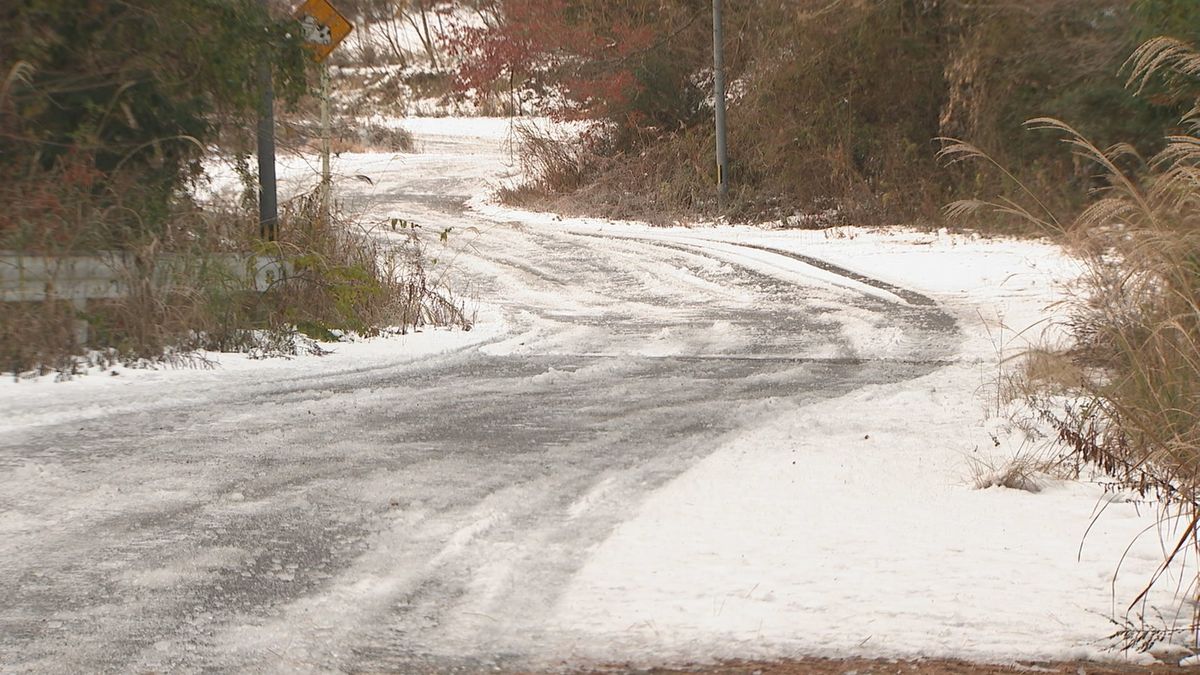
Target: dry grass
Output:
[(38, 336), (1030, 468), (1126, 398), (1015, 473), (1045, 371), (183, 298), (348, 135), (838, 111), (552, 164), (347, 280)]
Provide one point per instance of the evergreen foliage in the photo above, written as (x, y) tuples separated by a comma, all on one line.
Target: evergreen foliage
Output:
[(107, 107)]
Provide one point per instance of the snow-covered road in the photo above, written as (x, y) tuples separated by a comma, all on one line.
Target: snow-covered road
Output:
[(485, 499)]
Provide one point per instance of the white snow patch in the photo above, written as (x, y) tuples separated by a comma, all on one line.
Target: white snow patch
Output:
[(41, 401), (849, 527)]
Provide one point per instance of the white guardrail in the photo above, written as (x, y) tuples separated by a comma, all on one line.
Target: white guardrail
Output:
[(34, 278), (77, 279)]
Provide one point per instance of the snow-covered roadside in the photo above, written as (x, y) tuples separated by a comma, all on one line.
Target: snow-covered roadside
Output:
[(45, 400), (851, 526), (103, 390)]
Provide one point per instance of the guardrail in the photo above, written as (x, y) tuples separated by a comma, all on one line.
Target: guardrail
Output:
[(111, 275), (34, 278)]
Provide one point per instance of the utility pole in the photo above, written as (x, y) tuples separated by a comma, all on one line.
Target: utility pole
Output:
[(719, 104), (268, 203)]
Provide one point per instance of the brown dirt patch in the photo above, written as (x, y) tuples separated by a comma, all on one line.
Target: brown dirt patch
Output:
[(891, 667)]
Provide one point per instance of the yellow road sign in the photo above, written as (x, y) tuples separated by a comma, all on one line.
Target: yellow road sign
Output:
[(324, 27)]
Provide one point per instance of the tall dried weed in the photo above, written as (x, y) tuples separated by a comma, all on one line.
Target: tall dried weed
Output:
[(1129, 402)]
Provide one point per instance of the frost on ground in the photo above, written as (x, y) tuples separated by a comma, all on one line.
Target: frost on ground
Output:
[(657, 445)]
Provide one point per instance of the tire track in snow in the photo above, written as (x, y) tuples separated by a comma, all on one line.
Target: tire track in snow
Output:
[(709, 247)]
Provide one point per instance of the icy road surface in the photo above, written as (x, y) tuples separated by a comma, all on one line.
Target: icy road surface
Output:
[(430, 512)]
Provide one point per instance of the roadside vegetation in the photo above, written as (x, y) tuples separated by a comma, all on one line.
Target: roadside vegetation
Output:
[(835, 108), (109, 113), (1125, 397)]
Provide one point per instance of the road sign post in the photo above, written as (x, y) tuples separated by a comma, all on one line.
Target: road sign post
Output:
[(324, 28), (326, 141)]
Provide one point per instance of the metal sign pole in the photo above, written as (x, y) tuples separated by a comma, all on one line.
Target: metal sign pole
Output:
[(323, 29), (719, 104), (268, 204), (326, 134)]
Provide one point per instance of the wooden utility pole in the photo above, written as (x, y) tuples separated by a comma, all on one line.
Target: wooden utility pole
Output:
[(719, 104), (268, 202)]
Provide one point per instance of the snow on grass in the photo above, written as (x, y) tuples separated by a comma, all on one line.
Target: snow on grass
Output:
[(31, 402)]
